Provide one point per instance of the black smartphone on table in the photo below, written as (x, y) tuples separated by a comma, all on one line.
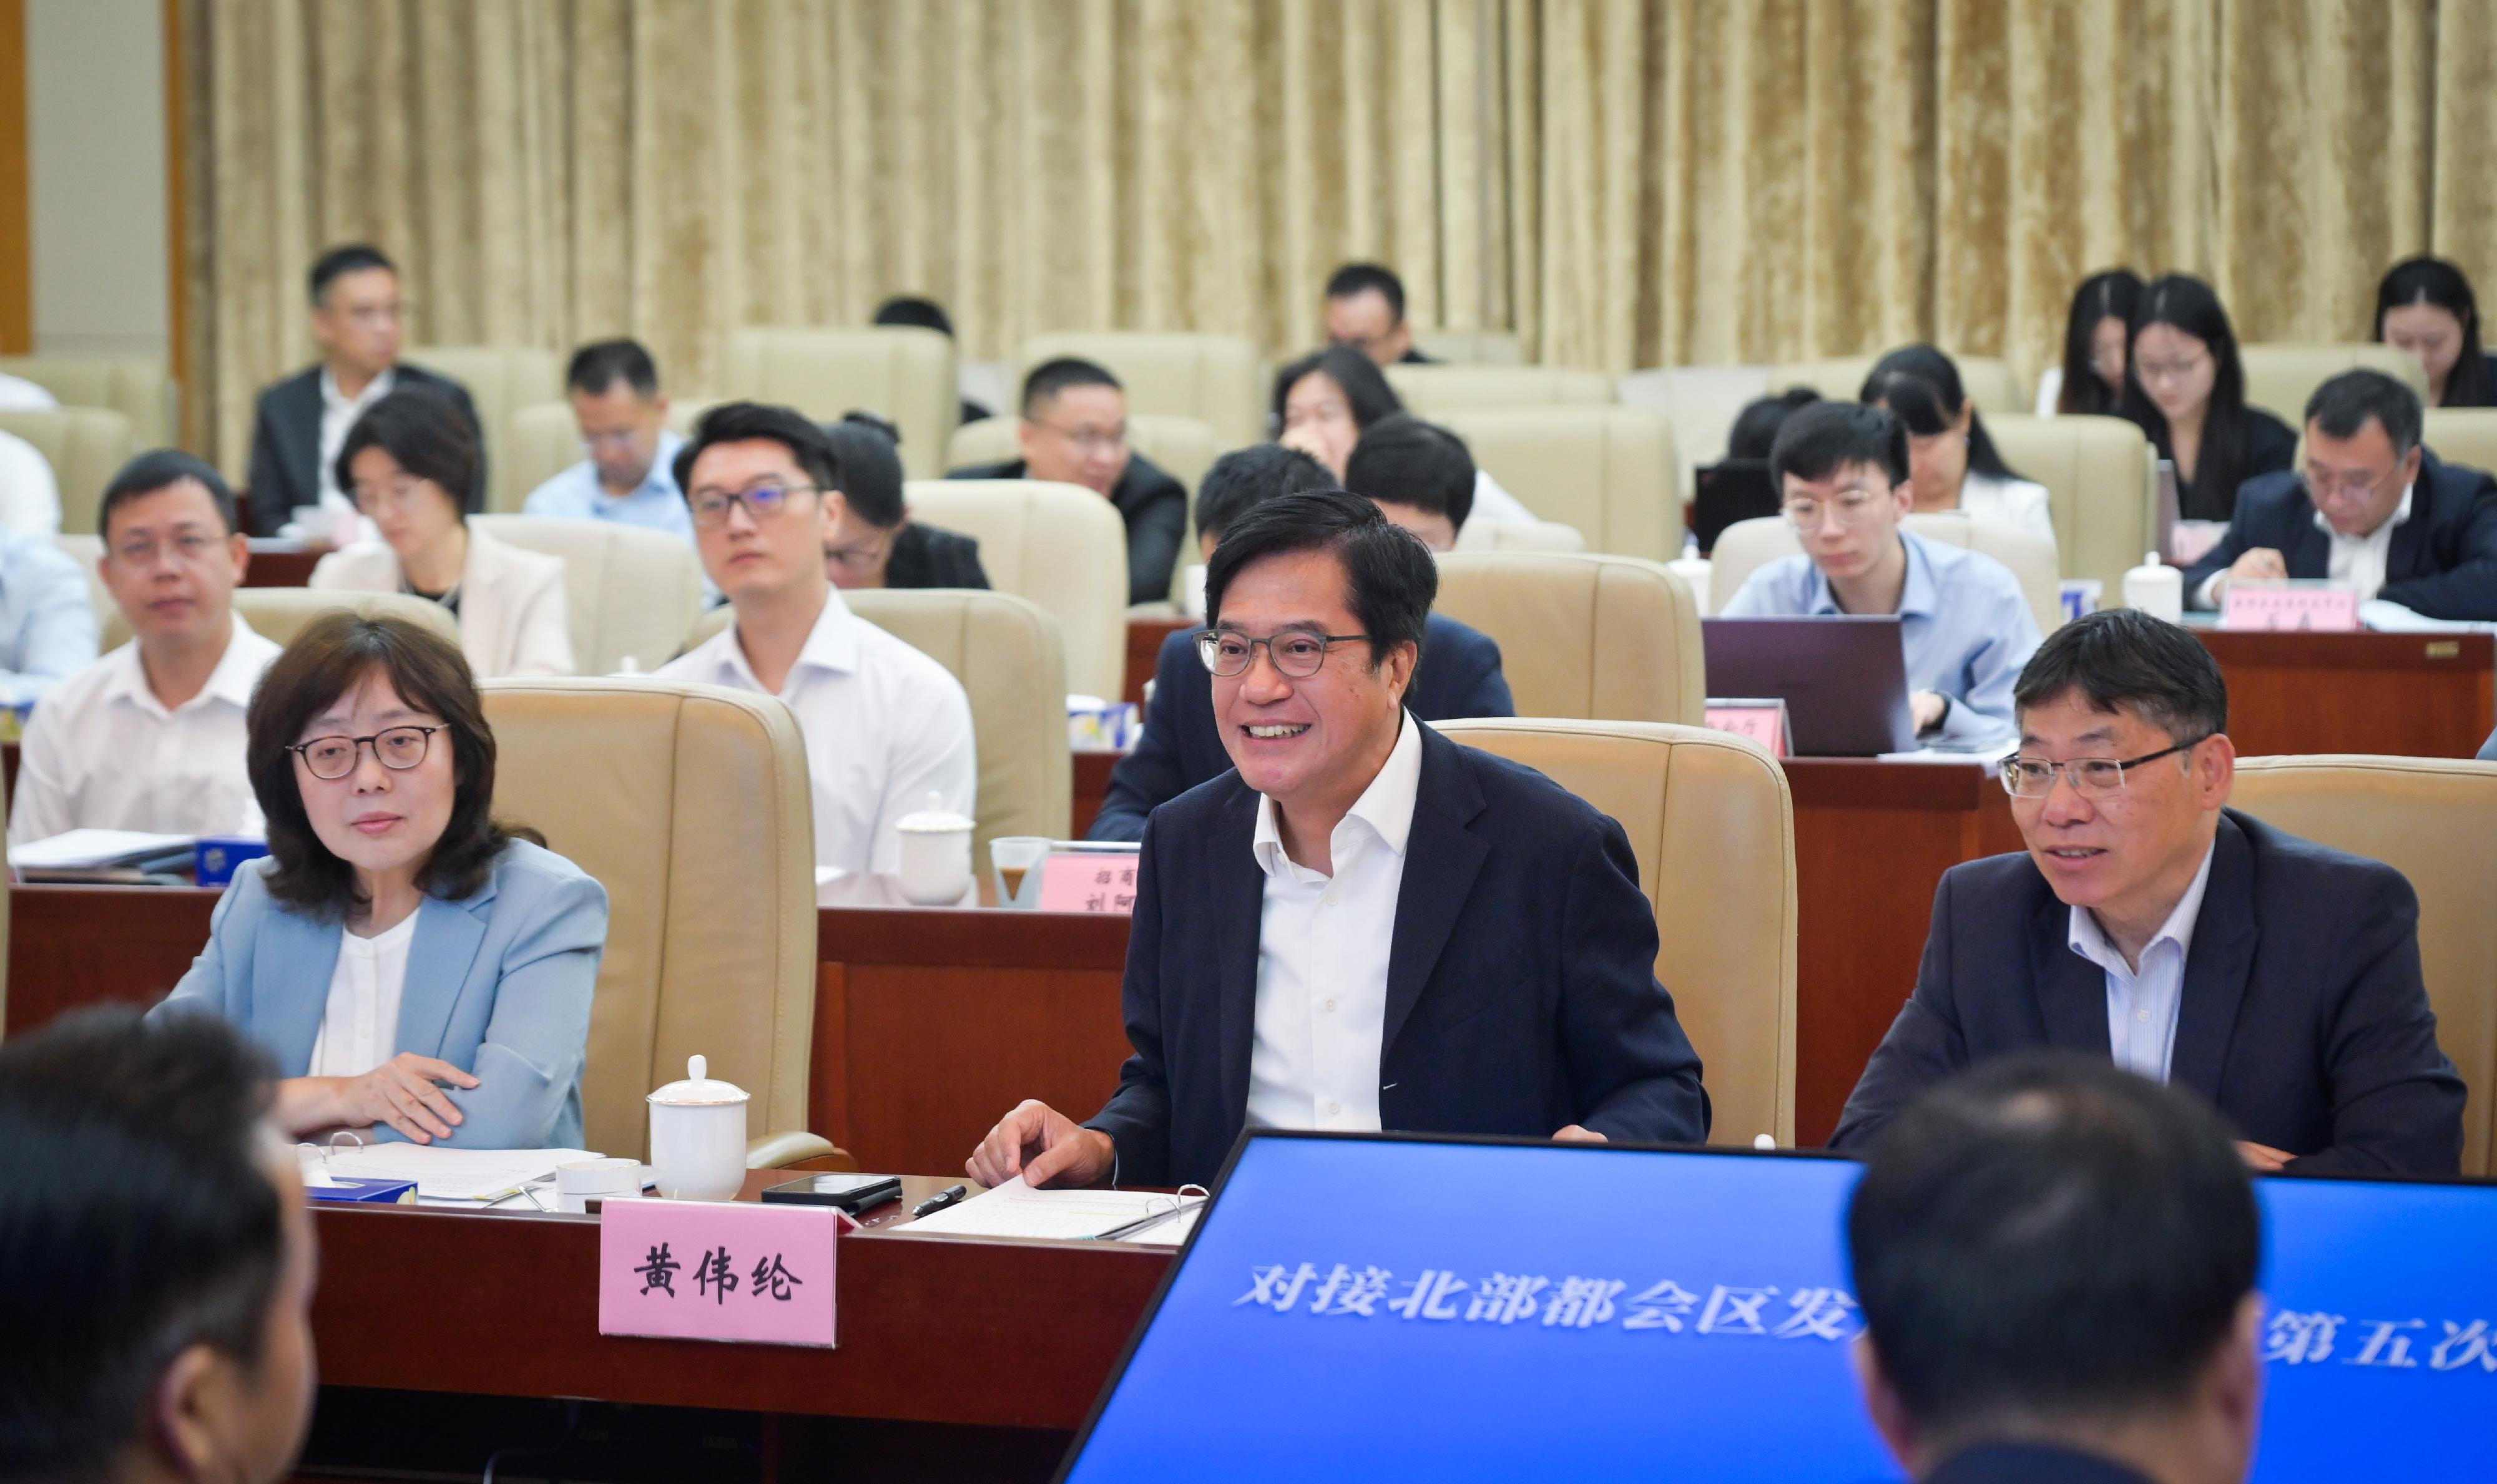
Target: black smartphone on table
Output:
[(853, 1193)]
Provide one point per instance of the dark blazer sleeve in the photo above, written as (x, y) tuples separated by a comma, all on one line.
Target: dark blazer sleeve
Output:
[(1634, 1069), (2257, 522), (1151, 773), (2396, 1101), (1156, 521), (1137, 1118), (2467, 586), (272, 498), (1924, 1044), (1477, 687)]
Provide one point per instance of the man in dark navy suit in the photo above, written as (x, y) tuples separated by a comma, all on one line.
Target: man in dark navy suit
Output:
[(1181, 747), (2056, 1264), (2374, 507), (1365, 925), (2151, 923)]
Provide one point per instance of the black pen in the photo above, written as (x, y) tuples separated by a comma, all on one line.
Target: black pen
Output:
[(938, 1202)]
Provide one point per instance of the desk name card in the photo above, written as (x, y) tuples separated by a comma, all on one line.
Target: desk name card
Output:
[(736, 1271), (2293, 606), (1088, 881), (1762, 721)]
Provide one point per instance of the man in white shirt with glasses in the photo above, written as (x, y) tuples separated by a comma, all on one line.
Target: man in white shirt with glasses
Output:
[(885, 726), (2149, 922)]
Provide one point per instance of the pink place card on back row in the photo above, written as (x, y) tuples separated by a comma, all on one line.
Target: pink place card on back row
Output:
[(2310, 607), (1762, 721), (718, 1270)]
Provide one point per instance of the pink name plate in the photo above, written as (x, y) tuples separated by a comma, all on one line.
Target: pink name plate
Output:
[(736, 1271), (2289, 606), (1762, 721), (1088, 881)]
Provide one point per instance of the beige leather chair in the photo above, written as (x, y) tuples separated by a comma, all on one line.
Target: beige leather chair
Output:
[(630, 592), (1747, 545), (1218, 380), (2430, 819), (2280, 375), (1182, 448), (899, 373), (1470, 347), (134, 386), (1607, 470), (86, 549), (1062, 547), (689, 805), (1520, 536), (86, 446), (540, 441), (1989, 381), (2101, 480), (1607, 638), (2463, 435), (502, 380), (1434, 391), (1703, 401), (279, 613), (1708, 817)]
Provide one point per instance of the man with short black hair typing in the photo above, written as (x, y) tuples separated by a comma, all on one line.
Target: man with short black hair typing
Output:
[(1366, 926)]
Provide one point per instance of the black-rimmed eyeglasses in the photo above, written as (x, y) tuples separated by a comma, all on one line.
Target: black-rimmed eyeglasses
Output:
[(398, 748), (1297, 652)]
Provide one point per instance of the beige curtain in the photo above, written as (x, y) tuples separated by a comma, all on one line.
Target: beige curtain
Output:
[(1621, 183)]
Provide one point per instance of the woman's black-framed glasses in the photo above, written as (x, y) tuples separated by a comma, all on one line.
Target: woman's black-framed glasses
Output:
[(398, 748), (1298, 652)]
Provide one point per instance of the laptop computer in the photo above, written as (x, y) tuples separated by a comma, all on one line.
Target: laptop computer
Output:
[(1737, 489), (1843, 677)]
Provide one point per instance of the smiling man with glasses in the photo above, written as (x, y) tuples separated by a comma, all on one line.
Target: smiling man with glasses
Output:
[(885, 726), (2373, 507), (1364, 925), (1074, 431), (2149, 922)]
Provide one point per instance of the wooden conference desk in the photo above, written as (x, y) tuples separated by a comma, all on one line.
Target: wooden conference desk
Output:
[(2407, 695)]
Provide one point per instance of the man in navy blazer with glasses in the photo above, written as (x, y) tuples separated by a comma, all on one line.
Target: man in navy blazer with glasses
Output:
[(1366, 926), (2193, 944)]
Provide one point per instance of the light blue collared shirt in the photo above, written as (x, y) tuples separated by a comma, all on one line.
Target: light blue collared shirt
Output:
[(2142, 1006), (658, 504), (1964, 622), (47, 625)]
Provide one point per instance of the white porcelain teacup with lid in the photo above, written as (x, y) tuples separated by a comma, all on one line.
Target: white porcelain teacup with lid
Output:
[(698, 1136), (936, 854)]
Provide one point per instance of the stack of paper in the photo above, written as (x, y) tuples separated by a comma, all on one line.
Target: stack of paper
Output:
[(1017, 1210), (468, 1176), (90, 849)]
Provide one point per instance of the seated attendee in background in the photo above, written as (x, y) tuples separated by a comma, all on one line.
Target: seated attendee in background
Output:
[(1074, 431), (1457, 673), (301, 422), (1952, 463), (413, 966), (2193, 944), (2186, 388), (1323, 405), (2374, 508), (874, 543), (1755, 428), (2056, 1264), (1842, 470), (1419, 474), (162, 1307), (927, 314), (628, 476), (2425, 307), (405, 461), (30, 497), (885, 726), (150, 736), (2091, 379), (46, 623), (1365, 311), (1493, 968)]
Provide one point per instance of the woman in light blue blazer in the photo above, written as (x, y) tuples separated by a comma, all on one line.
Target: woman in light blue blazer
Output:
[(414, 968)]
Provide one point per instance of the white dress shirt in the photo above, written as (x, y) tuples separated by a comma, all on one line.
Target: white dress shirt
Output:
[(1322, 949), (2142, 1006), (2017, 504), (30, 497), (2360, 560), (359, 1028), (102, 752), (338, 413), (885, 727)]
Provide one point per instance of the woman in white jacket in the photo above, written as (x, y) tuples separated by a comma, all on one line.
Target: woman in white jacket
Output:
[(1952, 463), (401, 461)]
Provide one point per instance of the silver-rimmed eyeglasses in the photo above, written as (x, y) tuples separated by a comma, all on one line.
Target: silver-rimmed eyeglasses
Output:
[(1298, 652), (2091, 777)]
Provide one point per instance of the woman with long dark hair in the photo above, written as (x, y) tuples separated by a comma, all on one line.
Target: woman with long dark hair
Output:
[(1323, 403), (2091, 379), (1952, 463), (2425, 306), (2185, 386)]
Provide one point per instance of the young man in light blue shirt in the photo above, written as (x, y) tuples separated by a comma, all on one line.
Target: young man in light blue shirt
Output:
[(629, 475), (1842, 468)]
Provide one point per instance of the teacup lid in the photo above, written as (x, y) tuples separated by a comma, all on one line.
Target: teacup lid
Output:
[(698, 1088), (935, 819)]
